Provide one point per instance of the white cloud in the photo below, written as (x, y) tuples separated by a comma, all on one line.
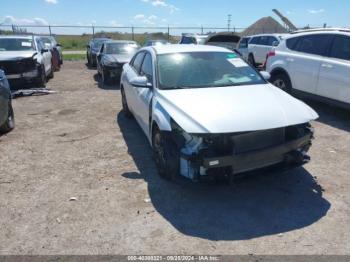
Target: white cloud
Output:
[(152, 17), (51, 1), (115, 23), (319, 11), (139, 17), (24, 21), (159, 3)]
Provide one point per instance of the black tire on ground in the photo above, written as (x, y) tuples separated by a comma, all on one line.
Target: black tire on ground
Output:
[(126, 110), (166, 155), (41, 79), (10, 122), (52, 74), (251, 60), (282, 81), (105, 77), (88, 59)]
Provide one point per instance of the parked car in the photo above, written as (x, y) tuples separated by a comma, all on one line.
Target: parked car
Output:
[(7, 119), (314, 63), (207, 112), (228, 40), (194, 39), (255, 51), (156, 42), (112, 56), (92, 48), (243, 47), (25, 60), (56, 51)]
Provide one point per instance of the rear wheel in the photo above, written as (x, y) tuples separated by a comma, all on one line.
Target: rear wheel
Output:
[(41, 79), (105, 77), (282, 81), (166, 155), (10, 122)]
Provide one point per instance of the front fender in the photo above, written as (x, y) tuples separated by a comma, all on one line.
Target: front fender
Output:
[(161, 117)]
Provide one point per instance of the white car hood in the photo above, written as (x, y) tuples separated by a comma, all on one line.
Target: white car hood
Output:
[(14, 55), (234, 109)]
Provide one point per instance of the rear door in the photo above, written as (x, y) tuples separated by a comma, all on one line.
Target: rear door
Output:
[(334, 77), (262, 49), (305, 61), (253, 47)]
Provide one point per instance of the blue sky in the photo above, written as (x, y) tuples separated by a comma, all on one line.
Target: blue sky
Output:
[(171, 12)]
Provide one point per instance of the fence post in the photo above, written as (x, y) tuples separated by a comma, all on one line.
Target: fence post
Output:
[(93, 31), (132, 33), (13, 28), (202, 30), (50, 30), (168, 34)]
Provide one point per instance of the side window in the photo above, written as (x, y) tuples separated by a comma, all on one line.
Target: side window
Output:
[(147, 68), (314, 44), (271, 40), (39, 44), (255, 41), (341, 48), (138, 61), (263, 40), (292, 43)]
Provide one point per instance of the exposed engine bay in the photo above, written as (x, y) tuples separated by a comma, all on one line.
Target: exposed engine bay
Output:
[(212, 154)]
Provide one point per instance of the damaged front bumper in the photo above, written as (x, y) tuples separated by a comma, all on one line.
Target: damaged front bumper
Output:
[(245, 153), (113, 71)]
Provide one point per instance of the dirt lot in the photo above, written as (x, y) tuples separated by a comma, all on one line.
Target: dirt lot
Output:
[(77, 144)]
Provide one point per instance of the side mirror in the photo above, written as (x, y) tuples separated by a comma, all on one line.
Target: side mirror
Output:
[(265, 75), (44, 50), (87, 46), (140, 81), (59, 45), (275, 43)]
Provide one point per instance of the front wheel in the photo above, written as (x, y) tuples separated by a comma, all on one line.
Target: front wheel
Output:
[(126, 109), (251, 60), (282, 81), (41, 79), (10, 122), (166, 155)]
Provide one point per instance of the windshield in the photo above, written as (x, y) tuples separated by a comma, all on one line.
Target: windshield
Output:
[(47, 42), (120, 48), (204, 69), (97, 44), (16, 44)]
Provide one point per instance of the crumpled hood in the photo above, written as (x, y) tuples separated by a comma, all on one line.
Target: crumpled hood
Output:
[(234, 109), (15, 55), (122, 58)]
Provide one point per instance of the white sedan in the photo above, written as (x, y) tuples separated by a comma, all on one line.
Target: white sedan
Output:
[(206, 112)]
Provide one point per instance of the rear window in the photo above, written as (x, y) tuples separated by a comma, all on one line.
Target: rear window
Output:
[(291, 43)]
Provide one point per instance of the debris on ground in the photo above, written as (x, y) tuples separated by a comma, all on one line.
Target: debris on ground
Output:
[(73, 199), (31, 92), (147, 200)]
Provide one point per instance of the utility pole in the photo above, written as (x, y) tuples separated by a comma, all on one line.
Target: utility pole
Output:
[(229, 22)]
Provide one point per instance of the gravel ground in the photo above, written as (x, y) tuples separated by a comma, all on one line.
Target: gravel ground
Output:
[(78, 144)]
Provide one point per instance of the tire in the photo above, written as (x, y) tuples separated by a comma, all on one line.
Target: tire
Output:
[(52, 74), (41, 80), (251, 60), (166, 155), (10, 122), (105, 78), (88, 59), (126, 109), (282, 81)]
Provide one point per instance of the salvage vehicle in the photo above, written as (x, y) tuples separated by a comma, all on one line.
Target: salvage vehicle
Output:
[(7, 119), (315, 64), (195, 39), (56, 51), (25, 60), (228, 40), (156, 42), (92, 48), (206, 112), (112, 56)]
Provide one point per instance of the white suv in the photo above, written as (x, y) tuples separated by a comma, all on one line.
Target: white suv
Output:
[(255, 48), (315, 63)]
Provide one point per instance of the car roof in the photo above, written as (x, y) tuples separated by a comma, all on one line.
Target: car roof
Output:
[(110, 41), (17, 36), (168, 49), (344, 31), (276, 35)]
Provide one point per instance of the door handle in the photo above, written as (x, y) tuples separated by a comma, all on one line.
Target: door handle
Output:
[(327, 66), (289, 59)]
